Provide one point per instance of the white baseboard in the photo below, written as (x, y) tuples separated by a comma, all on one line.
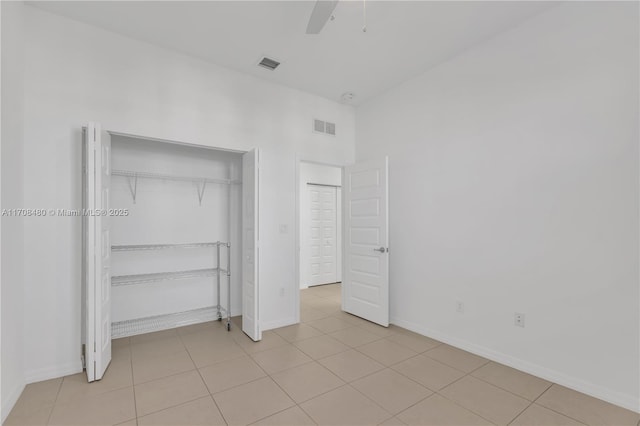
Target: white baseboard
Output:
[(10, 399), (616, 398), (277, 324), (53, 372)]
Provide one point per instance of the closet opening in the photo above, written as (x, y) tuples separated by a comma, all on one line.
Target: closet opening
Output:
[(174, 254), (175, 243)]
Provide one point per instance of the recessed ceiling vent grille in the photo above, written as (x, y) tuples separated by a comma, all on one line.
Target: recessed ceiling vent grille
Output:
[(320, 126), (268, 63)]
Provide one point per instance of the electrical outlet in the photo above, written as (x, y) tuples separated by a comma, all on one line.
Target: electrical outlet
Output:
[(518, 319), (460, 307)]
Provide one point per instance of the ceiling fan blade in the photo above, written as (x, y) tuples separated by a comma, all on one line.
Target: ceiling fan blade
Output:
[(321, 13)]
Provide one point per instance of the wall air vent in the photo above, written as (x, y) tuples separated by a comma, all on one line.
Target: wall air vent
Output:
[(268, 63), (330, 128), (326, 127)]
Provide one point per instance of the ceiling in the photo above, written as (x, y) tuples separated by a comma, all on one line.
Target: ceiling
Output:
[(403, 38)]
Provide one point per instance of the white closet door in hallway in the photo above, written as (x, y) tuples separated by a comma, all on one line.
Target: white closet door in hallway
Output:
[(323, 234)]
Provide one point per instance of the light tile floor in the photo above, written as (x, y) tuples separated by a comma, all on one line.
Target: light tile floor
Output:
[(332, 368)]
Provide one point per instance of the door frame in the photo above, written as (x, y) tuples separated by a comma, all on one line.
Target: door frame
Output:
[(84, 309), (298, 233)]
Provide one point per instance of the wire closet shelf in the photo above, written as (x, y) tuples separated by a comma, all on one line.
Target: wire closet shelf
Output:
[(201, 182), (162, 322)]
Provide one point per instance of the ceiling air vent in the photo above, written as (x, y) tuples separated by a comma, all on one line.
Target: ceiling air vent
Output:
[(268, 63), (326, 127)]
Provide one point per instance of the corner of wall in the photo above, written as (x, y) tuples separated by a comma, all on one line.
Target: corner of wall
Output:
[(12, 377), (9, 400)]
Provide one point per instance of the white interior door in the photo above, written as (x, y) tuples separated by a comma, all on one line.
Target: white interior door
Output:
[(323, 234), (365, 286), (250, 244), (97, 175)]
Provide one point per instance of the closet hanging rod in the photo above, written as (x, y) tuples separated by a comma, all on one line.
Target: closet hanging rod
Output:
[(137, 247), (159, 176), (324, 184), (121, 280)]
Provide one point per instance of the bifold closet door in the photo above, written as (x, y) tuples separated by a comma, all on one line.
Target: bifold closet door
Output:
[(97, 247), (250, 244)]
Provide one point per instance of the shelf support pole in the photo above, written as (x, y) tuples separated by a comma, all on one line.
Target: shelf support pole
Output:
[(218, 280), (228, 286)]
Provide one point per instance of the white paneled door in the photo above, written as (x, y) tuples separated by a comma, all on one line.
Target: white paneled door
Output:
[(365, 284), (97, 250), (250, 244), (323, 234)]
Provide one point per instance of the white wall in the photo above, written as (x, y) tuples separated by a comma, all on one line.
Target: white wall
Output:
[(12, 370), (327, 175), (514, 188), (76, 73)]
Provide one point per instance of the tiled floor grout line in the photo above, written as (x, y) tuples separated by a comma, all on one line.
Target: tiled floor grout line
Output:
[(308, 415), (381, 407), (416, 403), (164, 377), (345, 383), (274, 381), (415, 381), (551, 409), (133, 382), (520, 413), (493, 385), (528, 406), (462, 406), (455, 402), (55, 401), (204, 382), (270, 375), (349, 383)]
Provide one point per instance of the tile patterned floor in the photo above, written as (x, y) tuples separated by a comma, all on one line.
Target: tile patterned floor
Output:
[(331, 369)]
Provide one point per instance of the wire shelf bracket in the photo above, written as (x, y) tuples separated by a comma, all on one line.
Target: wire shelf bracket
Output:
[(201, 187), (132, 181)]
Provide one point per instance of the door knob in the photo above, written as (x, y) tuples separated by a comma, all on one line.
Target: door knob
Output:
[(381, 249)]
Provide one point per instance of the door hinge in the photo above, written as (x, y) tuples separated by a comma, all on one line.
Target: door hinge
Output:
[(94, 347), (83, 357)]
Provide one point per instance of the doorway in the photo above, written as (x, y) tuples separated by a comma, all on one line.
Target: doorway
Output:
[(320, 232), (362, 247)]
